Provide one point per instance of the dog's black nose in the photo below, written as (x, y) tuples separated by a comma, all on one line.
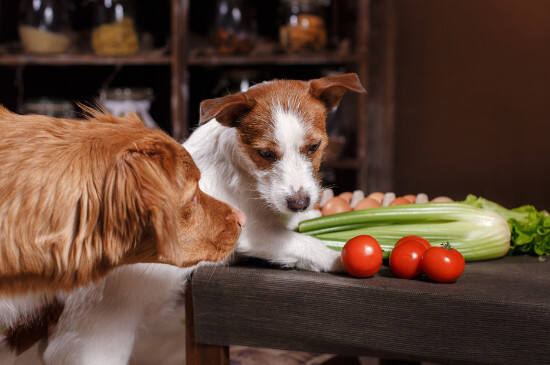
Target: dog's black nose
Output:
[(298, 202)]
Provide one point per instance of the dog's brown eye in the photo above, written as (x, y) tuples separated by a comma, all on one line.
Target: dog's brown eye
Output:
[(311, 149), (267, 155)]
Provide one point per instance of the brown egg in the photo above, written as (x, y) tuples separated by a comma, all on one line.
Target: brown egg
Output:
[(366, 203), (334, 206), (441, 199), (410, 197), (346, 196), (378, 196), (400, 201)]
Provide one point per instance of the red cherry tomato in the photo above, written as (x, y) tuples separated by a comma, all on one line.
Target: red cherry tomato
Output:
[(405, 259), (423, 241), (443, 264), (362, 256)]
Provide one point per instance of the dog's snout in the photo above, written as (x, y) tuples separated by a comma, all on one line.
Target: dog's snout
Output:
[(298, 202), (241, 217)]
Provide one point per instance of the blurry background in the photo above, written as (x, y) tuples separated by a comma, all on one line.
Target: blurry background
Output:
[(457, 90)]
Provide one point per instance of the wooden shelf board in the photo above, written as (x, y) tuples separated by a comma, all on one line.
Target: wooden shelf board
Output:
[(275, 59), (144, 58)]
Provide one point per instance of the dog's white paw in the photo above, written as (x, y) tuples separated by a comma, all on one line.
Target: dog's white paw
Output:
[(337, 265), (320, 258), (302, 216)]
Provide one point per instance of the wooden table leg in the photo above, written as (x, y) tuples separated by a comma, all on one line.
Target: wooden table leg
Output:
[(196, 353)]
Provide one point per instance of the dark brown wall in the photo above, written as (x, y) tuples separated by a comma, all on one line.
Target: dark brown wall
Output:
[(473, 99)]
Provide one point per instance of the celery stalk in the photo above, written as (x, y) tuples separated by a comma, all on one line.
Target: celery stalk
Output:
[(477, 233), (530, 228)]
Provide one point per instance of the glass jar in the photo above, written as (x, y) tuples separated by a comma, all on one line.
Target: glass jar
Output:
[(235, 28), (304, 28), (121, 101), (58, 108), (44, 26), (115, 32), (234, 81)]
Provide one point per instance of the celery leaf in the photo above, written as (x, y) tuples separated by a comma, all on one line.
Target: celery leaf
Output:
[(530, 228)]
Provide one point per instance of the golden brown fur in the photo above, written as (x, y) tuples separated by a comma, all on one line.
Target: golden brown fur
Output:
[(78, 198)]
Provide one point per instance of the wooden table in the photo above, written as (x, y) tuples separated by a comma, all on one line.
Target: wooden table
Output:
[(498, 313)]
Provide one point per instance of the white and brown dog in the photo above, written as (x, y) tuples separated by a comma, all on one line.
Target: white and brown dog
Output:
[(259, 151)]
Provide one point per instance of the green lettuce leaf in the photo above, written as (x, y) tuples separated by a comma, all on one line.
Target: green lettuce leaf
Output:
[(530, 228)]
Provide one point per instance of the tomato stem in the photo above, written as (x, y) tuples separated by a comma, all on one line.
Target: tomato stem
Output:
[(447, 246)]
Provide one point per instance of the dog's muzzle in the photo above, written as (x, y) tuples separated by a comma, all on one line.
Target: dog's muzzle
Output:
[(299, 201)]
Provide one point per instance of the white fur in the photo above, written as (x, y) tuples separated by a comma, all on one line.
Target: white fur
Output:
[(99, 324), (15, 308), (12, 310), (293, 171)]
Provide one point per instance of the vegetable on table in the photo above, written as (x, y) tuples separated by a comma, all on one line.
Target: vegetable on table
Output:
[(443, 264), (422, 240), (530, 229), (406, 258), (478, 234), (362, 256)]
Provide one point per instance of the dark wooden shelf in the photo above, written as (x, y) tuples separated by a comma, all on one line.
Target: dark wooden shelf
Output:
[(273, 59), (143, 58)]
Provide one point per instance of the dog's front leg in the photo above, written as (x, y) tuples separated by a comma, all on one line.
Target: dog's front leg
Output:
[(104, 334), (98, 325), (290, 249)]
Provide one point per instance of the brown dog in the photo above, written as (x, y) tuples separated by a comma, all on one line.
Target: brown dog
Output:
[(78, 198)]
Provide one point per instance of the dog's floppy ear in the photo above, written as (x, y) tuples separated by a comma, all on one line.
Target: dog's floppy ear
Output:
[(227, 110), (140, 192), (331, 89)]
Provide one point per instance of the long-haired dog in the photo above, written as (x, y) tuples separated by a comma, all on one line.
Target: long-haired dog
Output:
[(80, 198), (260, 151)]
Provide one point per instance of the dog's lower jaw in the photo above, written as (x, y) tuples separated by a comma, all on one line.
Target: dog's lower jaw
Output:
[(294, 220)]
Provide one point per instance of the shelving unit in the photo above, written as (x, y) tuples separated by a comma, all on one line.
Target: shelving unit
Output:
[(150, 58), (282, 59), (181, 63)]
